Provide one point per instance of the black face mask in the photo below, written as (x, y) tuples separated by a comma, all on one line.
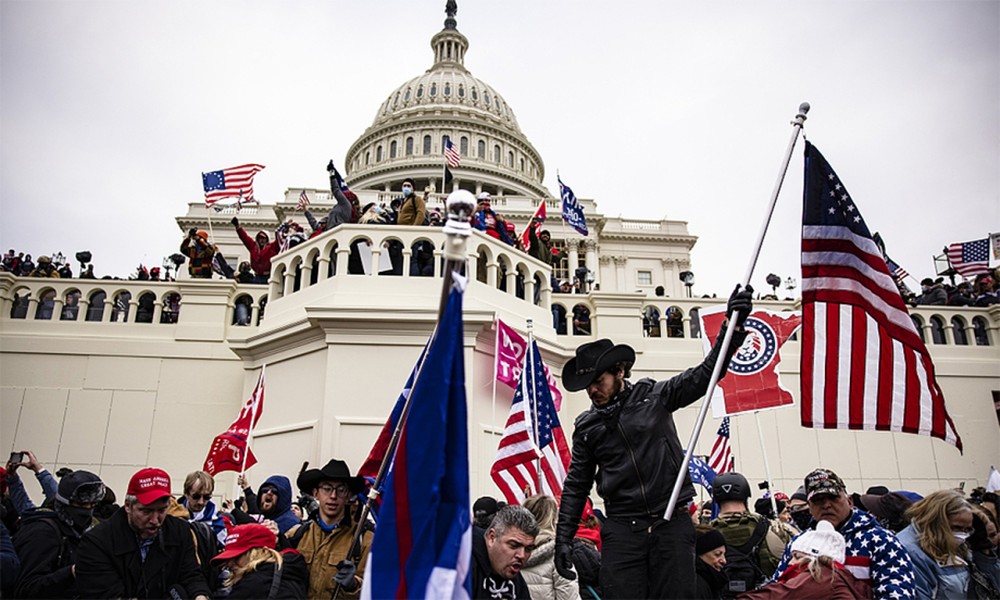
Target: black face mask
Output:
[(801, 518), (76, 517)]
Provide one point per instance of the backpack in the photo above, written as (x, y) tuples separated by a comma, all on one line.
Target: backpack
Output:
[(743, 563)]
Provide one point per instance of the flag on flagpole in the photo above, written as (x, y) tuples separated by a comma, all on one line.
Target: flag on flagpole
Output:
[(515, 469), (303, 202), (535, 223), (701, 473), (721, 458), (448, 177), (898, 273), (863, 364), (752, 381), (422, 546), (228, 448), (451, 155), (509, 357), (970, 258), (234, 182), (572, 210)]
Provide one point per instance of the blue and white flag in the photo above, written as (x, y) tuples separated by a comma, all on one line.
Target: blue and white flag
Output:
[(701, 473), (423, 543), (572, 211)]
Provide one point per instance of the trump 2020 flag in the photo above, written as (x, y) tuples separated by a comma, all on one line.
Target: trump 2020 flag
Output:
[(510, 349), (423, 543), (752, 382), (701, 473), (572, 210), (230, 450)]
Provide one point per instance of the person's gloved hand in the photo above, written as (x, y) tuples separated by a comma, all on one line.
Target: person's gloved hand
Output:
[(345, 575), (564, 561), (742, 303), (235, 222)]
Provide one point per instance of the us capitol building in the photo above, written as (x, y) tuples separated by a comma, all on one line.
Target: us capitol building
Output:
[(108, 387)]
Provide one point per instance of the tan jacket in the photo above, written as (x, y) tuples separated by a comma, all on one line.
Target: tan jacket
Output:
[(323, 551), (413, 211)]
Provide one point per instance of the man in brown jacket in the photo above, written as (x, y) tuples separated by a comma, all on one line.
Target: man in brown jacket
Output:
[(413, 210), (325, 541)]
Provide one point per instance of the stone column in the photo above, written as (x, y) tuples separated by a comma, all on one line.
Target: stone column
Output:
[(324, 268), (573, 255), (306, 274), (289, 283), (343, 256), (620, 262), (590, 247)]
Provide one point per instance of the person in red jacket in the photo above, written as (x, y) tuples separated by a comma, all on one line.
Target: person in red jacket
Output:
[(262, 250)]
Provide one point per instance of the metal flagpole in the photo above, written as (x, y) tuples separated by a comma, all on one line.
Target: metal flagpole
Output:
[(460, 205), (529, 355), (797, 124), (767, 468)]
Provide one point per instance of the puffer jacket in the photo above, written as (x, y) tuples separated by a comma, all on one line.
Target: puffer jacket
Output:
[(544, 582), (631, 447)]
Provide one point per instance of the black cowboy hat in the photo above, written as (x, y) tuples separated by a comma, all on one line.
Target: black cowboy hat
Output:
[(593, 359), (336, 470)]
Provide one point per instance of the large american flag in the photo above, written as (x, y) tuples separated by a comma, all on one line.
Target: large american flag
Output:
[(234, 182), (970, 258), (863, 364), (303, 202), (721, 458), (515, 469), (451, 154)]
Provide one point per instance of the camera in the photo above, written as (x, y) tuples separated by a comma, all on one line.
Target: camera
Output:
[(16, 458), (764, 485)]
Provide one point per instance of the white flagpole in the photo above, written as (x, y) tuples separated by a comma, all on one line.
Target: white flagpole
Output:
[(253, 416), (530, 357), (767, 467), (797, 124)]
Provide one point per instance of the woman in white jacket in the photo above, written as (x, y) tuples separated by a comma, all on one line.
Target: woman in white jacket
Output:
[(540, 571)]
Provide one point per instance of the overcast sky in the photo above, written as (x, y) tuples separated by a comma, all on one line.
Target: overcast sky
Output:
[(110, 110)]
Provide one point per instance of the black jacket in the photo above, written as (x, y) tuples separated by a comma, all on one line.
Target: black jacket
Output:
[(710, 582), (486, 583), (630, 447), (47, 548), (293, 585), (109, 565)]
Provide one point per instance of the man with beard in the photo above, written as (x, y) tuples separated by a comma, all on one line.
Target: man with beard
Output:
[(499, 554), (325, 541), (47, 541), (141, 551), (274, 498)]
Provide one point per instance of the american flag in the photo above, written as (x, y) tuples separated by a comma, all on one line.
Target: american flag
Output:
[(970, 258), (721, 458), (235, 182), (451, 154), (863, 364), (303, 202), (515, 469)]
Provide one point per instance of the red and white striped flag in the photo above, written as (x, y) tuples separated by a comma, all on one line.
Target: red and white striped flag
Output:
[(451, 154), (519, 457), (721, 458), (863, 364), (970, 258), (234, 182), (303, 202), (540, 214)]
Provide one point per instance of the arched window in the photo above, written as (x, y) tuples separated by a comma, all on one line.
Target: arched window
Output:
[(392, 149), (368, 156), (406, 96), (559, 318), (242, 309), (496, 154), (434, 89), (675, 322), (651, 321), (937, 330), (96, 309), (486, 99), (695, 325), (144, 312), (378, 153), (510, 159), (475, 95), (461, 91), (581, 320), (444, 141), (171, 308), (46, 304), (427, 144), (920, 327), (447, 89), (958, 330), (420, 92), (463, 146), (481, 149), (71, 306), (522, 165), (409, 146), (120, 308), (980, 332)]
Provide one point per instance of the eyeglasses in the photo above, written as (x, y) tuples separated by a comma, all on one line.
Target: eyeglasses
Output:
[(200, 496), (340, 490)]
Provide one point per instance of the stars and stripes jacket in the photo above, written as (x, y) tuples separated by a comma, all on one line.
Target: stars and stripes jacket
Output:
[(873, 554)]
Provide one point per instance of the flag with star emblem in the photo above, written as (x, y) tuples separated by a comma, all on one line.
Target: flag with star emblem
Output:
[(234, 182), (721, 458), (863, 364), (970, 258), (527, 446), (451, 155)]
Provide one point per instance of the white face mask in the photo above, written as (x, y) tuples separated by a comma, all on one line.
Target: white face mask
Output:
[(960, 536)]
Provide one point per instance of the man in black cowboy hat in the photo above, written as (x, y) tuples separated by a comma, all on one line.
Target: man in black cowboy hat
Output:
[(325, 541), (627, 442)]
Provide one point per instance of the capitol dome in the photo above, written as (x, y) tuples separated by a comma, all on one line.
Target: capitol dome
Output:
[(407, 136)]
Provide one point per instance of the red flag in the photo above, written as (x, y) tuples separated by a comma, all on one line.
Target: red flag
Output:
[(752, 382), (230, 450), (533, 224), (510, 349)]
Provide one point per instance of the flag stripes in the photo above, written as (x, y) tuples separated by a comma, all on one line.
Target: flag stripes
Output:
[(451, 154), (234, 182), (721, 457), (970, 258)]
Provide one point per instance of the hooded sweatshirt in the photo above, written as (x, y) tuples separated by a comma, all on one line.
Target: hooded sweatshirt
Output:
[(282, 513)]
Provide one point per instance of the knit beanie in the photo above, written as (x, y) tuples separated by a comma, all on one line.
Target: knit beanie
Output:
[(822, 541), (708, 541)]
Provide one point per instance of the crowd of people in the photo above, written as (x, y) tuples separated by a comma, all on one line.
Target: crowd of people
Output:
[(981, 291)]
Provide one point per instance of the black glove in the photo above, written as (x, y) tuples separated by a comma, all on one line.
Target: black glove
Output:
[(345, 575), (235, 222), (564, 560), (332, 170), (741, 302)]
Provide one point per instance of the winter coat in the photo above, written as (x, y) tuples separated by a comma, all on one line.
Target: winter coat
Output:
[(989, 565), (413, 211), (485, 583), (798, 584), (109, 563), (200, 254), (738, 528), (632, 446), (257, 584), (282, 513), (710, 582), (874, 555), (10, 564), (260, 258), (933, 580), (209, 516), (544, 582), (322, 551), (489, 223), (47, 547), (587, 562)]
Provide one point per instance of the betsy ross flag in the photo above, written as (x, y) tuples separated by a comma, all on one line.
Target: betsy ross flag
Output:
[(422, 546), (863, 364), (536, 222), (235, 182), (515, 469), (970, 258), (451, 155), (721, 458), (572, 210), (228, 448), (303, 202)]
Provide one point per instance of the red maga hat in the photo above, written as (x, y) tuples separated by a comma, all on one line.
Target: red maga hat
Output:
[(246, 537)]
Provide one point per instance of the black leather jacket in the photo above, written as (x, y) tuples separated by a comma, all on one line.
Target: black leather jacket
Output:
[(631, 449)]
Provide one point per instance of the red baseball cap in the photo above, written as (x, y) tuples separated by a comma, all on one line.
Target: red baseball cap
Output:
[(246, 537), (149, 485)]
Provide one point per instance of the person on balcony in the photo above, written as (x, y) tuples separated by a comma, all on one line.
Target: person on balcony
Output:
[(262, 250), (44, 268), (343, 207), (489, 222), (199, 252)]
